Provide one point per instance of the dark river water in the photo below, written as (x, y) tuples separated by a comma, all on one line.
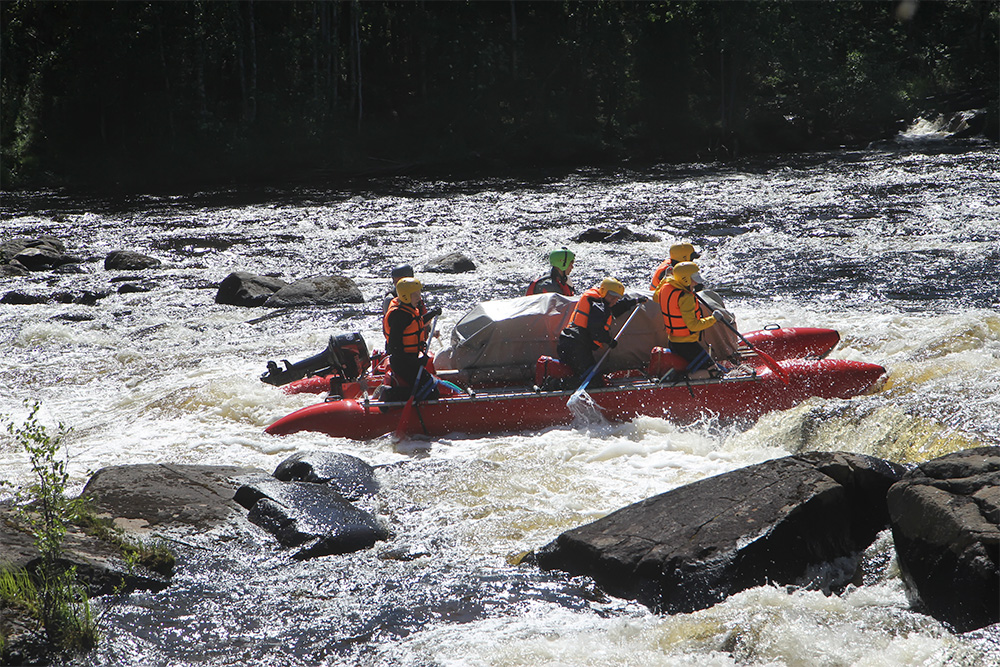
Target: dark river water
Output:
[(897, 249)]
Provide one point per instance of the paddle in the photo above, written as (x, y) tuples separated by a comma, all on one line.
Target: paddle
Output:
[(410, 408), (768, 359), (593, 371)]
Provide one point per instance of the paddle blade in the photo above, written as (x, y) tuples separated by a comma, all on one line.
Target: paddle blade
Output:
[(585, 409), (773, 365), (577, 395), (403, 428)]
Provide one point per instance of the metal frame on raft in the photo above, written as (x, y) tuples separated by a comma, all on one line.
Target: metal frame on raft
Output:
[(500, 394)]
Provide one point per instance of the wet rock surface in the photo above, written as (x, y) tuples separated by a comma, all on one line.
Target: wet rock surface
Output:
[(349, 475), (316, 291), (780, 522), (157, 494), (455, 262), (313, 517), (128, 260), (247, 289), (946, 527)]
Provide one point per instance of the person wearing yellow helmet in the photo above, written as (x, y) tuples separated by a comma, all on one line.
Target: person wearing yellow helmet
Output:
[(683, 316), (397, 274), (589, 326), (558, 279), (405, 326), (679, 252)]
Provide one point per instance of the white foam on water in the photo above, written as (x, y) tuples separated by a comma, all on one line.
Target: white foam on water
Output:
[(867, 246)]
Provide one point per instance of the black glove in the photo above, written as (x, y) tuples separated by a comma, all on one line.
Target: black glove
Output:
[(612, 343), (642, 299), (422, 347), (431, 314)]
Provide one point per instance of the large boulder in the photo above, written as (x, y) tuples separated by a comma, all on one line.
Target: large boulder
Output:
[(348, 475), (136, 498), (35, 254), (945, 517), (314, 517), (316, 291), (23, 299), (247, 289), (783, 521), (160, 494), (607, 235)]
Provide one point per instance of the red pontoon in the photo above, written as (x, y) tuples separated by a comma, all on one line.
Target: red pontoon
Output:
[(732, 398)]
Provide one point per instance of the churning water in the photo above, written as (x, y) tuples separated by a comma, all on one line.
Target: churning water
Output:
[(896, 249)]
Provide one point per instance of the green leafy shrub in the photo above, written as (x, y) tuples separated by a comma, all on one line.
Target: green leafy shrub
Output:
[(52, 593)]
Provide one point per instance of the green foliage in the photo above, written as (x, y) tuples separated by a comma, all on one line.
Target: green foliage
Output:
[(17, 589), (154, 554), (52, 594), (255, 89), (18, 596)]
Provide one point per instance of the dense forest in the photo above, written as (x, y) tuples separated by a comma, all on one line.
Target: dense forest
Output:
[(141, 94)]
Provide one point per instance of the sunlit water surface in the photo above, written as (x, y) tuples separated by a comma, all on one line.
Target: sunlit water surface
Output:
[(897, 250)]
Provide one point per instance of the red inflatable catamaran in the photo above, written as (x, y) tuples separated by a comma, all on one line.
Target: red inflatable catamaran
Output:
[(745, 394)]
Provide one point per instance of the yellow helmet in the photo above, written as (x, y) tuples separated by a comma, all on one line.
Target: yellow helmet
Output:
[(684, 271), (612, 285), (562, 258), (406, 288), (683, 252)]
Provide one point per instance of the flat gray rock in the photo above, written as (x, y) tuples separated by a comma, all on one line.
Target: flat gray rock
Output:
[(160, 494)]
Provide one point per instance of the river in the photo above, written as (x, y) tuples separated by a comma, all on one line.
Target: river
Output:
[(895, 248)]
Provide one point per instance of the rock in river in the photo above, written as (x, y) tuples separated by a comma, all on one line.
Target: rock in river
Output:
[(782, 521), (946, 525)]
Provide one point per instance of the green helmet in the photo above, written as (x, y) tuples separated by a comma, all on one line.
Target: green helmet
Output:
[(562, 258)]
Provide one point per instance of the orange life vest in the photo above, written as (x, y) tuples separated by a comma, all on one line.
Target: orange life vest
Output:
[(659, 274), (415, 332), (581, 314), (670, 306)]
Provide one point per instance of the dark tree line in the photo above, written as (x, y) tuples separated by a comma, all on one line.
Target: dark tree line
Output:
[(157, 92)]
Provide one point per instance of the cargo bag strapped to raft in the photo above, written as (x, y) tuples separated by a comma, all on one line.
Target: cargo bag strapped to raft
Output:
[(346, 356), (501, 340)]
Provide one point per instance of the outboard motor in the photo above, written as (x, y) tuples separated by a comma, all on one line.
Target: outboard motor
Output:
[(346, 356)]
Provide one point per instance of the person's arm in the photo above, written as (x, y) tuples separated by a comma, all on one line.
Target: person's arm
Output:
[(626, 304), (690, 316), (430, 315)]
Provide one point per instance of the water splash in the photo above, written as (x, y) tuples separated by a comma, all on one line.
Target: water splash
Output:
[(586, 411)]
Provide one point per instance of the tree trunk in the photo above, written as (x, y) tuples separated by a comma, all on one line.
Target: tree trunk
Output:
[(513, 41), (251, 25), (356, 59)]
